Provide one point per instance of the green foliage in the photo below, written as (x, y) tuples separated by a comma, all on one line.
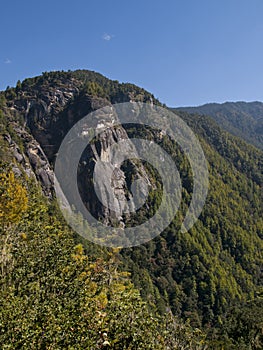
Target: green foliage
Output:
[(217, 264), (54, 296), (88, 82), (57, 295), (244, 325), (2, 100), (94, 89), (240, 118), (13, 199), (10, 93)]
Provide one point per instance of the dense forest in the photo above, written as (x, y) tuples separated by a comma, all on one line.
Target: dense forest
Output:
[(196, 290), (240, 118)]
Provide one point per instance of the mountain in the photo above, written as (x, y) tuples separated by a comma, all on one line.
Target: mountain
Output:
[(242, 119), (210, 277)]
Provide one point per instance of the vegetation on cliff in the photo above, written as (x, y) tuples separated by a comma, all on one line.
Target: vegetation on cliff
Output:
[(60, 291)]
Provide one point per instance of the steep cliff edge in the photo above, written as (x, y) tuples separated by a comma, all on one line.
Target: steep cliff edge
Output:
[(47, 108)]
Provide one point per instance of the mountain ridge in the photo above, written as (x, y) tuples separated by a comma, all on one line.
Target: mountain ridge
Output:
[(242, 119)]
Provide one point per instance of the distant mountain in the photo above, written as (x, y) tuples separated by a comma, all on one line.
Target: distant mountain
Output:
[(242, 119)]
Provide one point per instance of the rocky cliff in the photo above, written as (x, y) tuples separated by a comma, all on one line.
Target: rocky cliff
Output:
[(47, 108)]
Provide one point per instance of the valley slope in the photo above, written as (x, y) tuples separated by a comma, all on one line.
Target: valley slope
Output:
[(242, 119), (202, 275)]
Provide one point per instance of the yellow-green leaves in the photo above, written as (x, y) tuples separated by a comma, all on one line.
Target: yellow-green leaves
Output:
[(13, 199)]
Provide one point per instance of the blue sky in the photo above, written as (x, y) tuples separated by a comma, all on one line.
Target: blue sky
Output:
[(186, 52)]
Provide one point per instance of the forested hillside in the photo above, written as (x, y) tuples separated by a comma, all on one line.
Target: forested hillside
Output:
[(59, 291), (242, 119)]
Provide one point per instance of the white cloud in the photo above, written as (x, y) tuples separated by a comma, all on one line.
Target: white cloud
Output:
[(7, 61), (107, 36)]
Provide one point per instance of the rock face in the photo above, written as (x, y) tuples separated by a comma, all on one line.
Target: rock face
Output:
[(32, 159), (48, 112), (112, 184)]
